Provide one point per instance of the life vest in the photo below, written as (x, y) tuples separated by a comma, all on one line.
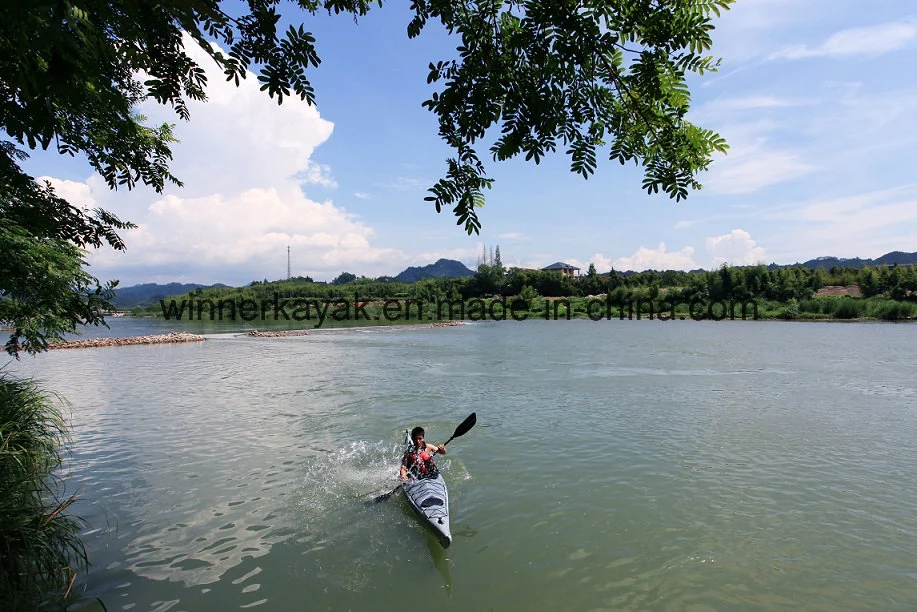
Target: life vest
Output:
[(420, 463)]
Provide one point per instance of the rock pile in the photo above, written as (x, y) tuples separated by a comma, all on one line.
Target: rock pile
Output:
[(97, 342)]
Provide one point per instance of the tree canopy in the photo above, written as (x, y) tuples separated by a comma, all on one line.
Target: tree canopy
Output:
[(532, 77)]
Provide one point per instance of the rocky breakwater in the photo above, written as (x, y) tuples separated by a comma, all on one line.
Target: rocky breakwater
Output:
[(158, 339)]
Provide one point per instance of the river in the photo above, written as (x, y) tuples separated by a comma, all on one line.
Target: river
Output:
[(622, 465)]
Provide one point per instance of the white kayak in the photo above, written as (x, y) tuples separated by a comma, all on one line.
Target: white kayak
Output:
[(430, 500)]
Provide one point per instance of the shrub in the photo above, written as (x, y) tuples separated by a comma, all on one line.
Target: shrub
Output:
[(890, 310), (847, 308)]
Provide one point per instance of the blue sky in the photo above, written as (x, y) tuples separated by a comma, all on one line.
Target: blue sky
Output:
[(816, 99)]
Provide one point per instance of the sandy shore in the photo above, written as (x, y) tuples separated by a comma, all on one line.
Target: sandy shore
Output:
[(97, 342)]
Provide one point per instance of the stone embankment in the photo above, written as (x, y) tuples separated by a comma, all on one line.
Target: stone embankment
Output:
[(97, 342)]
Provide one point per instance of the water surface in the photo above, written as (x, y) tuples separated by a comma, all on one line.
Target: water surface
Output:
[(615, 465)]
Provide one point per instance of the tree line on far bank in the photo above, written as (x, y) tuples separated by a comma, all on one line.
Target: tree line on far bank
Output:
[(889, 293)]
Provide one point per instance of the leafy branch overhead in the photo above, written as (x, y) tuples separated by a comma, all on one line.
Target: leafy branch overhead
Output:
[(578, 75), (575, 75)]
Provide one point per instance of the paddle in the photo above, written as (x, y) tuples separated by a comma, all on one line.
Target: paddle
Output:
[(463, 428)]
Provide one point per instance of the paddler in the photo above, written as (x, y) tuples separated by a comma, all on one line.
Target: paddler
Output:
[(418, 459)]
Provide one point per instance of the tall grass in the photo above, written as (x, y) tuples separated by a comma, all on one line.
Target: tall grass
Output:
[(890, 310), (40, 552)]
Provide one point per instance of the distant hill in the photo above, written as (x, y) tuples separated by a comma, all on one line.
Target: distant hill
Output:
[(889, 259), (896, 257), (150, 293), (444, 268), (899, 258)]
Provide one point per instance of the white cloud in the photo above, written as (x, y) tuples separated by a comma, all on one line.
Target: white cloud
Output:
[(361, 195), (749, 28), (868, 40), (867, 224), (77, 193), (685, 224), (865, 210), (657, 259), (735, 248), (747, 103), (245, 162), (403, 183), (602, 264), (317, 174), (751, 168)]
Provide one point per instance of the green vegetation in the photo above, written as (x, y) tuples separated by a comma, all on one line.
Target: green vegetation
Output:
[(781, 293), (38, 542), (45, 290)]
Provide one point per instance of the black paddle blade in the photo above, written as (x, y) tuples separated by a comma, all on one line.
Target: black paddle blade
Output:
[(463, 428), (466, 425), (385, 496)]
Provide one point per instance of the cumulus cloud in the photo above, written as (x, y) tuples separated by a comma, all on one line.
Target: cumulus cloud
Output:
[(77, 193), (602, 264), (657, 259), (735, 248), (317, 174), (245, 162)]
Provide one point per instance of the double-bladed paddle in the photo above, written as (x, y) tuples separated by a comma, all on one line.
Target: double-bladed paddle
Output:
[(463, 428)]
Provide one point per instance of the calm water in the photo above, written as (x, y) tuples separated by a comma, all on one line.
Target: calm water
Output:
[(615, 465)]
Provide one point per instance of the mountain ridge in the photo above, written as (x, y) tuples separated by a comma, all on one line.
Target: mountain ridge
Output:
[(443, 268), (892, 258), (147, 294)]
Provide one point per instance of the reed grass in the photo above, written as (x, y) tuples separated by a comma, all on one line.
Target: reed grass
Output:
[(40, 551)]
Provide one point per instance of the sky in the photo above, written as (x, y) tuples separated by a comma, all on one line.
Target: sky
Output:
[(816, 99)]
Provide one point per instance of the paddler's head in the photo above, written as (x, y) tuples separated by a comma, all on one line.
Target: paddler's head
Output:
[(417, 436)]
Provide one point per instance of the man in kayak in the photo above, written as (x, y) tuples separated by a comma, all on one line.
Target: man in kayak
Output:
[(418, 459)]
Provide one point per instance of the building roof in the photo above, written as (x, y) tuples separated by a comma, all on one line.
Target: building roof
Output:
[(560, 266)]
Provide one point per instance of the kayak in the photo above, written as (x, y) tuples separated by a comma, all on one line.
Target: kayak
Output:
[(430, 500)]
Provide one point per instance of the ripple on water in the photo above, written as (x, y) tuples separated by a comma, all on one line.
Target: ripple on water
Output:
[(620, 466)]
